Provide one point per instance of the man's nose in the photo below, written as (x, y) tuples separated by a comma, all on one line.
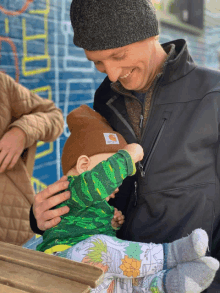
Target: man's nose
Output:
[(112, 71)]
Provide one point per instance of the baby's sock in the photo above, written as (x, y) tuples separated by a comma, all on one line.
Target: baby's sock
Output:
[(191, 277), (185, 249)]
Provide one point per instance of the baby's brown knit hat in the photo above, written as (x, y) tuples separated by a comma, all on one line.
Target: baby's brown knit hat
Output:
[(90, 134)]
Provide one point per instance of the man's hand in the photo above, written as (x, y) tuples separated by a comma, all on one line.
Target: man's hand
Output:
[(11, 147), (118, 219), (46, 199)]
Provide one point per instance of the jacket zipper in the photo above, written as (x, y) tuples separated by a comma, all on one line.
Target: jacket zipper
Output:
[(141, 121), (135, 193), (143, 167)]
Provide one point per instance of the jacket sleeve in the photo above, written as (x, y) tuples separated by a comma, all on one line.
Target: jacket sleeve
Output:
[(33, 223), (109, 174), (39, 118), (98, 183)]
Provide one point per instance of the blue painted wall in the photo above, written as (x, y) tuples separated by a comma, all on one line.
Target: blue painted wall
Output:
[(36, 49)]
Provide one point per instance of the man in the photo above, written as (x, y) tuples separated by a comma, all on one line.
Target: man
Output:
[(157, 96)]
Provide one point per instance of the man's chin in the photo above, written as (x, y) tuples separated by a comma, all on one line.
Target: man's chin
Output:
[(130, 87)]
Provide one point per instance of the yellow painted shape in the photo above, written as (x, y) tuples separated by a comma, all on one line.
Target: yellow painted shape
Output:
[(46, 152), (35, 37), (27, 58), (6, 25), (39, 185), (43, 89), (45, 11), (41, 143)]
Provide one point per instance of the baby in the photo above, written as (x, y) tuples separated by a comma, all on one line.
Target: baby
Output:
[(97, 160)]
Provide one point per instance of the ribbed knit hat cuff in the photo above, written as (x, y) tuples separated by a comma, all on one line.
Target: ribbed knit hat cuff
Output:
[(121, 41)]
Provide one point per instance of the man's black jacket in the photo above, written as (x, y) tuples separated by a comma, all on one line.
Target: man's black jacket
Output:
[(178, 188)]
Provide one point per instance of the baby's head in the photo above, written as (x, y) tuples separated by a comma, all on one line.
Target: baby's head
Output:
[(91, 141)]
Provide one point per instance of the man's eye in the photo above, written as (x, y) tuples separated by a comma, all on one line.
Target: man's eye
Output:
[(120, 57), (97, 62)]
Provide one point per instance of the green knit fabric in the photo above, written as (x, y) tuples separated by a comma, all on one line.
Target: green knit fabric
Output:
[(89, 213)]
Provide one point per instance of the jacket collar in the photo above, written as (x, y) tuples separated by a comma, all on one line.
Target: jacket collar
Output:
[(180, 66)]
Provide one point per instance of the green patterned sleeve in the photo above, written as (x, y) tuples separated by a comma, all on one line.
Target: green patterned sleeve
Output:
[(109, 174), (101, 181)]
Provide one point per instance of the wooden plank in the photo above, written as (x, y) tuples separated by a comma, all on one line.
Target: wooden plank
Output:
[(7, 289), (34, 281), (57, 266)]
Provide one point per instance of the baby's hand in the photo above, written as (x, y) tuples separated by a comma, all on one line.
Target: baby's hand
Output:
[(118, 219), (135, 150), (112, 195)]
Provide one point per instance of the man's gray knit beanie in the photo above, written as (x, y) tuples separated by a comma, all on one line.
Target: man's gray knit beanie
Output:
[(107, 24)]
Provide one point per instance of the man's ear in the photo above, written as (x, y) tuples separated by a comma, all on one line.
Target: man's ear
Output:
[(82, 164)]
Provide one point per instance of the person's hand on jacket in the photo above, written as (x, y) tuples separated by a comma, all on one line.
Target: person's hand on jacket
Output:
[(112, 195), (135, 150), (118, 219), (11, 147)]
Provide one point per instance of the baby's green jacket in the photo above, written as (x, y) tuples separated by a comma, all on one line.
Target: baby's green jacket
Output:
[(89, 213)]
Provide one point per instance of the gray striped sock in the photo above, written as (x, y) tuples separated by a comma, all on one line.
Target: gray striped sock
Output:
[(186, 249), (191, 277)]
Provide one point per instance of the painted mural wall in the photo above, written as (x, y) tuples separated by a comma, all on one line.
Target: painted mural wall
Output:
[(37, 50)]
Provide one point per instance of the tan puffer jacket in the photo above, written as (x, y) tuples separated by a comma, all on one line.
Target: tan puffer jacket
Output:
[(40, 120)]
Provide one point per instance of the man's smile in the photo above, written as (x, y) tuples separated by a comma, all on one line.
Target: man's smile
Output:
[(126, 75)]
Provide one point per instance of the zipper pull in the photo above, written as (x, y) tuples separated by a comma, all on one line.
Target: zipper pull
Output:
[(141, 121), (135, 193), (141, 168)]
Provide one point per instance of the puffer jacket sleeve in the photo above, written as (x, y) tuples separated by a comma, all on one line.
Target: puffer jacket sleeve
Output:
[(39, 118)]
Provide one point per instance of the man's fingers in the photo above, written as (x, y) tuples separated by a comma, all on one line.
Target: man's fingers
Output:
[(52, 214), (39, 208), (64, 178), (56, 199), (50, 224), (51, 218), (51, 202), (52, 189)]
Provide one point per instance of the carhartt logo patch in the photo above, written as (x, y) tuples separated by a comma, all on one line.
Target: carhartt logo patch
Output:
[(111, 138)]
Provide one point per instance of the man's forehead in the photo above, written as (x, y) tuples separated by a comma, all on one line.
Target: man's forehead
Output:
[(103, 54)]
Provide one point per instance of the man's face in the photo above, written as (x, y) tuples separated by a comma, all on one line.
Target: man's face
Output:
[(134, 65)]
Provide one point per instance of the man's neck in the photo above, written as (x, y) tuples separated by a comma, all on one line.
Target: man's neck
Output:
[(158, 63)]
